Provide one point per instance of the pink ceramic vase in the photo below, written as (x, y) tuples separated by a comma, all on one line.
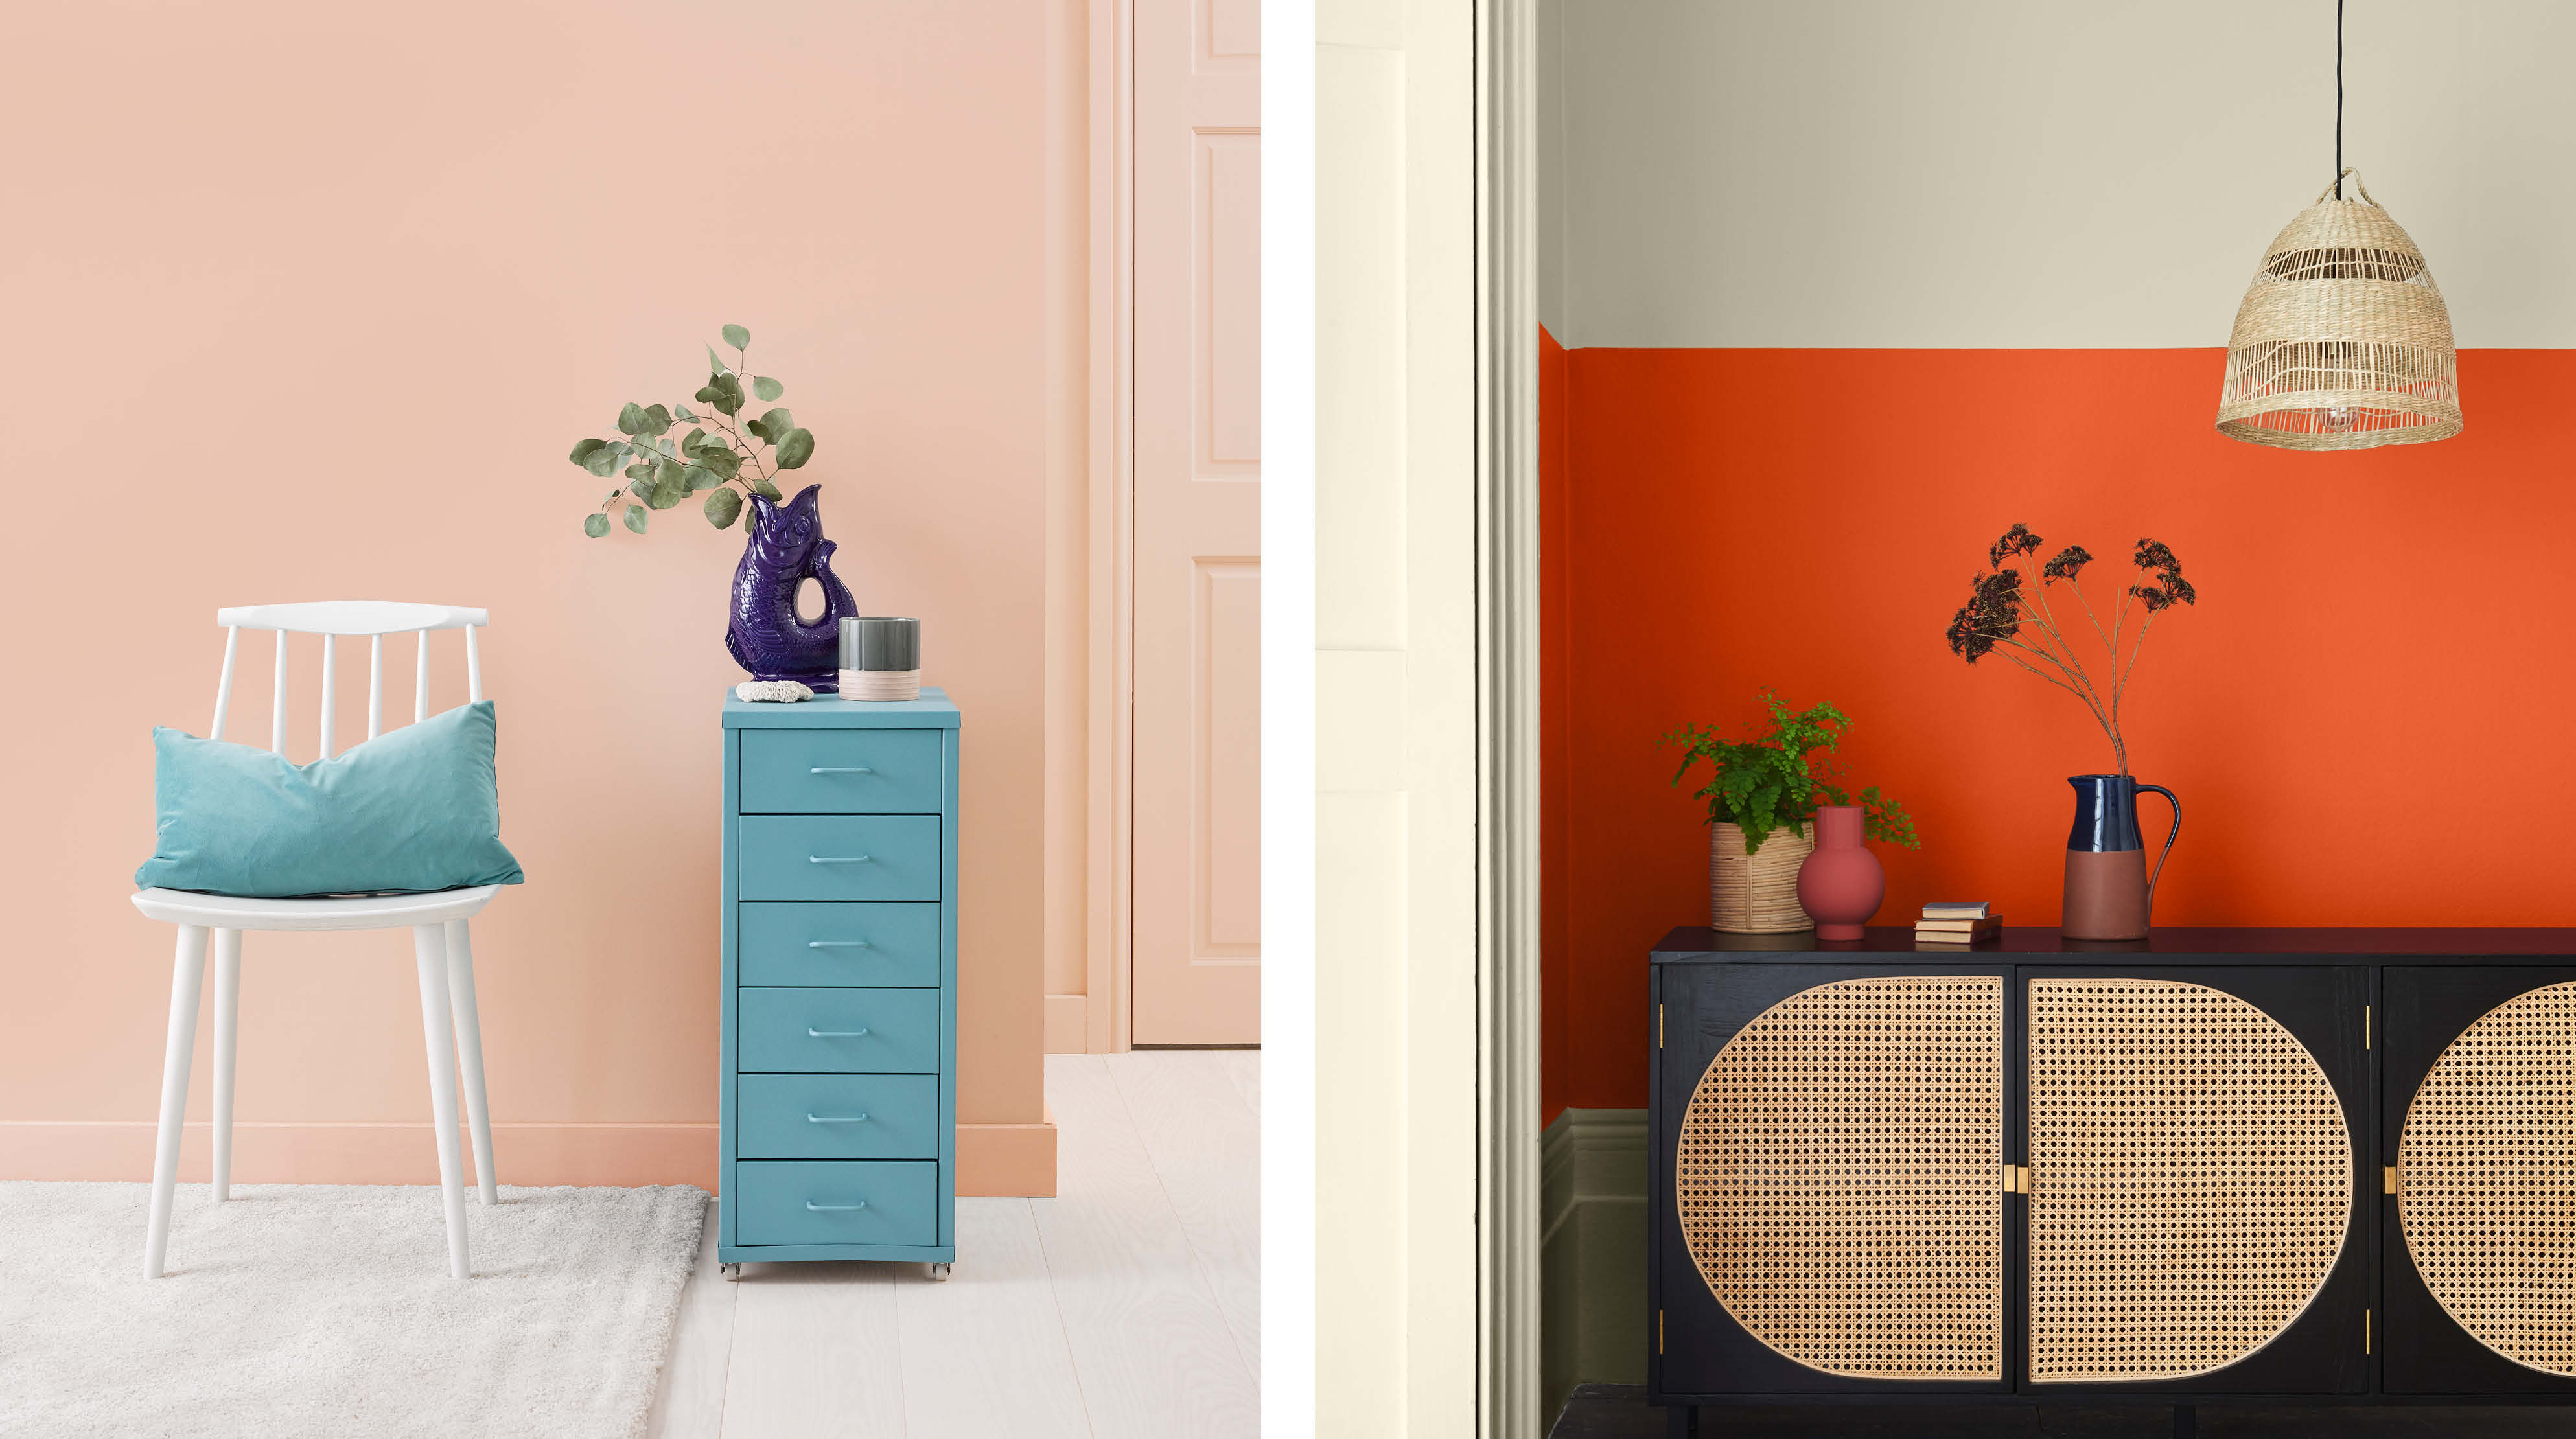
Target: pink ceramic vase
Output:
[(1840, 885)]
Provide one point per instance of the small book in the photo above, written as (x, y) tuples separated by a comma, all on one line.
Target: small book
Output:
[(1992, 921), (1955, 909), (1932, 934)]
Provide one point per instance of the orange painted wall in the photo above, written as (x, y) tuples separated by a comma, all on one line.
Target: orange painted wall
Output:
[(309, 300), (2361, 717)]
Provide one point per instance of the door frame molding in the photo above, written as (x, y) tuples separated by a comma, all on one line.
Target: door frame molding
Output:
[(1110, 731), (1509, 1362)]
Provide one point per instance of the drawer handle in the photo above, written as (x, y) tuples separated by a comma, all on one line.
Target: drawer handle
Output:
[(836, 1119), (836, 859), (833, 1208), (813, 1033), (840, 769), (836, 944)]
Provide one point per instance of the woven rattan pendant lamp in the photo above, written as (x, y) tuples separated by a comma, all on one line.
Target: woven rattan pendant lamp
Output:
[(2343, 342)]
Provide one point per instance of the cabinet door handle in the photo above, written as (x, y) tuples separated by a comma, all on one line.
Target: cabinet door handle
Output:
[(813, 1033), (833, 1208), (836, 859), (836, 944), (836, 1119), (840, 769)]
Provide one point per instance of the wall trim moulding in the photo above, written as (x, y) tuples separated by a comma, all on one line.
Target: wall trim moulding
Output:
[(1108, 947), (1592, 1250)]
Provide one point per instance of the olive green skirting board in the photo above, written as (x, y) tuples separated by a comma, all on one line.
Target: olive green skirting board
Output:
[(1592, 1253)]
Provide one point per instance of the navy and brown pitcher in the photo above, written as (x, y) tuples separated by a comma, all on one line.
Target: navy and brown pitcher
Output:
[(2109, 892)]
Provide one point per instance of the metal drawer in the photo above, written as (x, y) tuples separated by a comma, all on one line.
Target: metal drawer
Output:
[(844, 771), (838, 856)]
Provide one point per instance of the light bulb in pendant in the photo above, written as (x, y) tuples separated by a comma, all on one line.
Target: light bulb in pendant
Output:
[(2338, 419)]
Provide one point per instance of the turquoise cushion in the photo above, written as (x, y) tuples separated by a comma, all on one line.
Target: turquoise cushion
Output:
[(415, 810)]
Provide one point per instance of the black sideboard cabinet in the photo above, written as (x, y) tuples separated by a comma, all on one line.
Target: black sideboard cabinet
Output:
[(2274, 1166)]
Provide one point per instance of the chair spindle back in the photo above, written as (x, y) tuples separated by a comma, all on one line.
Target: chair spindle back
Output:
[(331, 619)]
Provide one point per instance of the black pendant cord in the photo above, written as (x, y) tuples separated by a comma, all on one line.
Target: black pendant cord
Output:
[(2338, 99)]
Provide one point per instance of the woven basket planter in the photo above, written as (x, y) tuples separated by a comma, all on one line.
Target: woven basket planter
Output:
[(1756, 893), (2342, 342)]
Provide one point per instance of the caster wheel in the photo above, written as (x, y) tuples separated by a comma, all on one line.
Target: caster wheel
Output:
[(731, 1272), (938, 1273)]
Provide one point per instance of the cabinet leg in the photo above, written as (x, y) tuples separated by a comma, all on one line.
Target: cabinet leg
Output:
[(1681, 1421), (2186, 1421)]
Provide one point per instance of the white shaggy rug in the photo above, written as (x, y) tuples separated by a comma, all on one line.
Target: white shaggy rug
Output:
[(326, 1310)]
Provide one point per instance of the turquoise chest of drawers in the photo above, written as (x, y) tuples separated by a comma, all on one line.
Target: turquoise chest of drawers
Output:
[(839, 1108)]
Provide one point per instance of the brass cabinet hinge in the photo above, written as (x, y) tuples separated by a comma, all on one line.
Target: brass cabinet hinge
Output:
[(1659, 1331), (2365, 1331), (2016, 1179), (1659, 1025), (2388, 1180), (2365, 1026)]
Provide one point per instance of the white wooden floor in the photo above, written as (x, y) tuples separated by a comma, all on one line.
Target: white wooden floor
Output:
[(1126, 1308)]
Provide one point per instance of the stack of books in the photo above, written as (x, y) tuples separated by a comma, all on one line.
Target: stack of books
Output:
[(1957, 922)]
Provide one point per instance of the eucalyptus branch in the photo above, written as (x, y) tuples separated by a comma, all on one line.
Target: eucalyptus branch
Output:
[(644, 435)]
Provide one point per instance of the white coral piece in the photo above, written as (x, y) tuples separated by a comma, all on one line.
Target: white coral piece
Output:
[(786, 692)]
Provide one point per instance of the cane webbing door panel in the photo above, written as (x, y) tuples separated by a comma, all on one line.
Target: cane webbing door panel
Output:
[(1835, 1167), (2194, 1179), (2481, 1098), (2191, 1179)]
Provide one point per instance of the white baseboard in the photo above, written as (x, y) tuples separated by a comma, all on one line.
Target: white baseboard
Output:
[(1592, 1250)]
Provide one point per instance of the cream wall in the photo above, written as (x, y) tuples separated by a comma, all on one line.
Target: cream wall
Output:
[(308, 301), (1395, 860), (2027, 173)]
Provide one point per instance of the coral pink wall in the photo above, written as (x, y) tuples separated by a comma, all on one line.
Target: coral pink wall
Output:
[(2360, 717), (308, 301)]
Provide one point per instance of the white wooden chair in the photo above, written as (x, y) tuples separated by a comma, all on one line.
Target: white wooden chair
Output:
[(440, 943)]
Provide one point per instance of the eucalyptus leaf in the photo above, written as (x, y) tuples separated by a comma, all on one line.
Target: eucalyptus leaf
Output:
[(660, 418), (630, 421), (692, 442), (682, 412), (715, 366), (670, 472), (639, 471), (796, 449), (595, 526), (751, 519), (612, 494), (722, 506), (728, 400), (737, 336), (767, 388), (724, 464), (778, 423), (601, 462), (707, 392), (758, 431), (766, 491), (635, 518), (699, 477), (583, 449)]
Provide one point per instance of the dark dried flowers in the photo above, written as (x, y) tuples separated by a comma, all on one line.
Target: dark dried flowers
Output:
[(2002, 615)]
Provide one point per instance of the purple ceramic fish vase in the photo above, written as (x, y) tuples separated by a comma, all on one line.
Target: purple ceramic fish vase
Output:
[(763, 630)]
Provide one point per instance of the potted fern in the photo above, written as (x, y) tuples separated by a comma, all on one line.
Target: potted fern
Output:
[(1762, 794)]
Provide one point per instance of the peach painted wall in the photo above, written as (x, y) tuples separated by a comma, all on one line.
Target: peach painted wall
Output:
[(308, 300)]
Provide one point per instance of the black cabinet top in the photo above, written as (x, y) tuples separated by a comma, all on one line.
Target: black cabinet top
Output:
[(2028, 945)]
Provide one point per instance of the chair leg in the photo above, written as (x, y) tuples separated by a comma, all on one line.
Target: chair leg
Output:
[(429, 946), (227, 1015), (187, 977), (469, 1056)]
